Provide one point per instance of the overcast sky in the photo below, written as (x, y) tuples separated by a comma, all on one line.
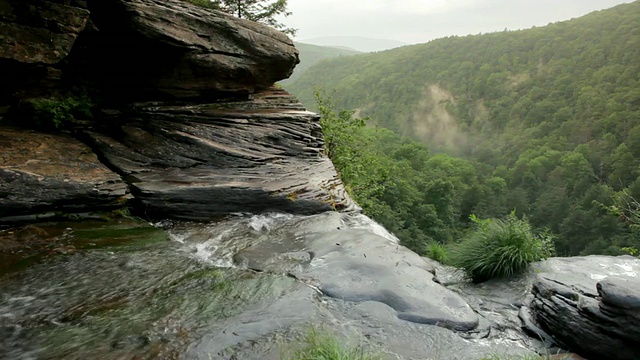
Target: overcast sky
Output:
[(417, 21)]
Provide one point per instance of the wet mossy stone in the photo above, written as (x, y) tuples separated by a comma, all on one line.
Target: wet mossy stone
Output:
[(27, 245)]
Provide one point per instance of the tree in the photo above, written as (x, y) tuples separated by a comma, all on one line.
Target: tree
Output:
[(263, 11)]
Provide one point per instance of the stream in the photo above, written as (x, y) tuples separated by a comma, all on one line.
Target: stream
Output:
[(241, 288)]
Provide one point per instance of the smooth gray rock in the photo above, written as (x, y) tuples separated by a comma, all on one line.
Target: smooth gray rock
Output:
[(294, 306), (557, 302), (589, 304), (196, 162), (620, 292), (357, 265), (498, 303), (171, 299), (305, 248)]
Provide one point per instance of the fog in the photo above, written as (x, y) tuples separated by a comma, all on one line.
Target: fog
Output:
[(417, 21)]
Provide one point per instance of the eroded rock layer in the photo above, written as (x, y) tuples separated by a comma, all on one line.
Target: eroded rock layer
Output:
[(198, 161), (173, 49), (44, 175), (590, 305)]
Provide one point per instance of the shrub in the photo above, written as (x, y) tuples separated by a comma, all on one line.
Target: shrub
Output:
[(437, 252), (319, 345), (58, 112), (499, 248)]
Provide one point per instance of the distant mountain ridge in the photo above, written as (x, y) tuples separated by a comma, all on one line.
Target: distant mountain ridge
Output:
[(311, 54), (357, 43)]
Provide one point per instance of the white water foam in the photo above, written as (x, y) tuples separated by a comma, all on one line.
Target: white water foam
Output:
[(180, 238), (266, 221)]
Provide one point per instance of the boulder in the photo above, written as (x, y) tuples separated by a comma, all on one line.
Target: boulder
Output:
[(623, 293), (196, 162), (590, 304), (173, 49), (43, 175)]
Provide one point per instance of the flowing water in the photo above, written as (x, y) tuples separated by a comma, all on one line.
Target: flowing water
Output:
[(178, 290), (145, 295)]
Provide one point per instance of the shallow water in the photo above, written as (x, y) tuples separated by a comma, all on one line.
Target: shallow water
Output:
[(116, 301), (181, 290)]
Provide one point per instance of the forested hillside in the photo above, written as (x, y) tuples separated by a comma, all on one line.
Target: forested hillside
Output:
[(312, 54), (544, 121)]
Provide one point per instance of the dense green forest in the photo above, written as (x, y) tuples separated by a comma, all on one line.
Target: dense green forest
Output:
[(544, 121)]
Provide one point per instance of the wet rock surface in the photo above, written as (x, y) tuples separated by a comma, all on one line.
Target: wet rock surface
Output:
[(193, 297), (589, 304), (250, 287), (343, 296), (359, 266), (580, 304), (43, 175), (497, 303)]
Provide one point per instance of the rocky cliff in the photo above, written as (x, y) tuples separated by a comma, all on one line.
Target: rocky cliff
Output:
[(185, 118)]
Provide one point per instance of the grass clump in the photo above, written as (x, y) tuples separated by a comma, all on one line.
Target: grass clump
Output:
[(437, 252), (499, 248), (320, 345)]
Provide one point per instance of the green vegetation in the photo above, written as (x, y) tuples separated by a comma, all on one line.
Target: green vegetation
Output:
[(420, 197), (58, 112), (263, 11), (320, 345), (437, 252), (544, 121), (499, 248)]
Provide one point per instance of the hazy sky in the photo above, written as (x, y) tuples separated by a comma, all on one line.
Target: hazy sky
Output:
[(416, 21)]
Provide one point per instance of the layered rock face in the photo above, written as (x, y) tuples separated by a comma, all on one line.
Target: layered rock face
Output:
[(172, 49), (44, 175), (198, 161), (39, 31), (590, 305), (188, 116)]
